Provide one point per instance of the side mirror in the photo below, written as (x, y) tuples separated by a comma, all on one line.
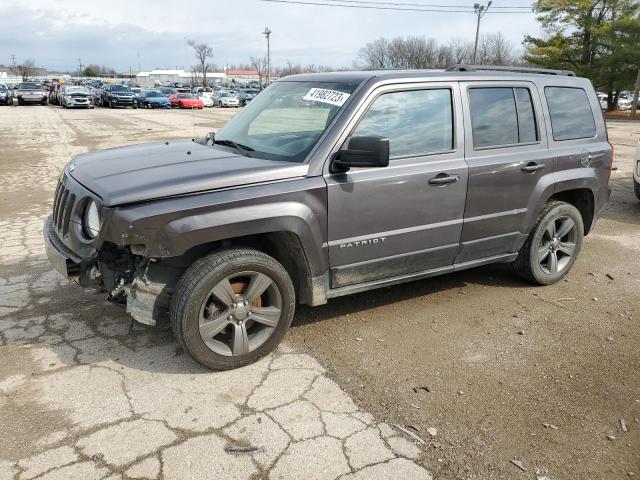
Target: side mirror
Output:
[(368, 152)]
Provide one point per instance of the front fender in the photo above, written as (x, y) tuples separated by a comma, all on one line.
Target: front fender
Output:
[(172, 226), (182, 234)]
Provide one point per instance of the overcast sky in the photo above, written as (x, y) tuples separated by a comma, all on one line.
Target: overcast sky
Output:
[(55, 33)]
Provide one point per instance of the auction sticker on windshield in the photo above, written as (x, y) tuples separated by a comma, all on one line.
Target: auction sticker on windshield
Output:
[(332, 97)]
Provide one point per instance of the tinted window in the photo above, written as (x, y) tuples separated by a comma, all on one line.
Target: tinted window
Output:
[(571, 115), (502, 116), (416, 122)]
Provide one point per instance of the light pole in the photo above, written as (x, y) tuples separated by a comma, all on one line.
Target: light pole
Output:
[(267, 33), (481, 11)]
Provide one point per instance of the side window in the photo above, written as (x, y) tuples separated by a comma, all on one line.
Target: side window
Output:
[(416, 122), (570, 112), (502, 116)]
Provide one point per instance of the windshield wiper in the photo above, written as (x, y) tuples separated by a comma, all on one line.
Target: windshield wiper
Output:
[(243, 149)]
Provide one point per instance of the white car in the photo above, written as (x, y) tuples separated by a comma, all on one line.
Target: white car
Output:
[(207, 101), (72, 96), (636, 172), (225, 99), (602, 98), (624, 103)]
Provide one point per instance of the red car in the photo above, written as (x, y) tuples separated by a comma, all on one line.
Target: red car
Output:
[(185, 100)]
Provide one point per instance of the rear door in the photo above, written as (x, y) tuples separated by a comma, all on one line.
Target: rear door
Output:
[(579, 136), (509, 162), (407, 217)]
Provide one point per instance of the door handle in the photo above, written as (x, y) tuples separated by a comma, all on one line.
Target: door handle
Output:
[(443, 179), (533, 167)]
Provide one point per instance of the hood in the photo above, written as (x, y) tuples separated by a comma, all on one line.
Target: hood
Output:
[(157, 99), (163, 169)]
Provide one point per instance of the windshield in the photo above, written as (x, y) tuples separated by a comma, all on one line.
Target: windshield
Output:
[(119, 88), (286, 120), (29, 86), (185, 95), (153, 93)]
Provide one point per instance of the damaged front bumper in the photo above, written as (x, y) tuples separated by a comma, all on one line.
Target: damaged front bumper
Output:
[(145, 285)]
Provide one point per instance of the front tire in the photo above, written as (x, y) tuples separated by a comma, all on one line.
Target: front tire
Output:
[(552, 246), (232, 308), (636, 189)]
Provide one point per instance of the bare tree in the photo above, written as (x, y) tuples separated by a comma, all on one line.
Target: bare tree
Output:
[(421, 52), (25, 69), (203, 53), (260, 66)]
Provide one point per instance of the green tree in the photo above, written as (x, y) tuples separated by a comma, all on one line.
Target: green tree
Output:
[(598, 39), (91, 71)]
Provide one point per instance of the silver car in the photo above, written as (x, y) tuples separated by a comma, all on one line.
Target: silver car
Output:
[(225, 99), (31, 92), (73, 96)]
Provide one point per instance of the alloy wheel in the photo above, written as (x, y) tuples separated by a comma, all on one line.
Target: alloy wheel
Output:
[(557, 245), (240, 313)]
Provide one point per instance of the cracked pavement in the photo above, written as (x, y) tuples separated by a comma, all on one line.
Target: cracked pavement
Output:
[(85, 393)]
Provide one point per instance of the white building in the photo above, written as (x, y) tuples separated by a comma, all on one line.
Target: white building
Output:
[(160, 77)]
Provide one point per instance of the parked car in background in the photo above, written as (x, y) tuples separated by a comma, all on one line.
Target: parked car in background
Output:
[(117, 95), (222, 98), (333, 184), (72, 96), (185, 100), (6, 95), (31, 92), (246, 95), (602, 99), (154, 99), (624, 102), (636, 172), (138, 92), (167, 91), (207, 100)]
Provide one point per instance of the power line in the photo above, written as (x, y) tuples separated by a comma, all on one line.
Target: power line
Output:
[(421, 4), (322, 3)]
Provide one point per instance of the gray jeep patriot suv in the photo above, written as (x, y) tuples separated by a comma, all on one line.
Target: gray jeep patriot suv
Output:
[(331, 184)]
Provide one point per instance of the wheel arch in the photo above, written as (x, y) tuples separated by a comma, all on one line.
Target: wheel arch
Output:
[(584, 201), (286, 247)]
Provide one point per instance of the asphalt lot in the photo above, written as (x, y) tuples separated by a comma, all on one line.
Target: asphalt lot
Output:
[(501, 369)]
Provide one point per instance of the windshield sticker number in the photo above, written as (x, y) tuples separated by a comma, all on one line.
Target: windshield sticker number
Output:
[(332, 97)]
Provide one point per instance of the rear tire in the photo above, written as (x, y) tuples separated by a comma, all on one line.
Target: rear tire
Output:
[(553, 245), (218, 292)]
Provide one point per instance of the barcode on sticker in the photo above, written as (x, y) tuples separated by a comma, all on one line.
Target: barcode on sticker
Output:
[(332, 97)]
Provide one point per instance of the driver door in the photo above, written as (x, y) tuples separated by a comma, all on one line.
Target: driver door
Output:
[(405, 218)]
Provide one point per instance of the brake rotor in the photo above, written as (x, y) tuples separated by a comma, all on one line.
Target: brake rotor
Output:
[(239, 287)]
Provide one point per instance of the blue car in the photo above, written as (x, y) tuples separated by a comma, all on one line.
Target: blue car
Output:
[(154, 99)]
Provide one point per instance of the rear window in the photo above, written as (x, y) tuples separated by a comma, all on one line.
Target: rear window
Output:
[(570, 112), (502, 116)]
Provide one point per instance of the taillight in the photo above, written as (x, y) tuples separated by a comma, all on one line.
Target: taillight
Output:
[(613, 161)]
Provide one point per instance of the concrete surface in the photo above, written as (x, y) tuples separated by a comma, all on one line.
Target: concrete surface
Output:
[(86, 394)]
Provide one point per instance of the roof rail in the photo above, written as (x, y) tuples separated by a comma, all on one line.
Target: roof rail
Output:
[(545, 71)]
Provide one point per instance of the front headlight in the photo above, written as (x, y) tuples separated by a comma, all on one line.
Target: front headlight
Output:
[(91, 220)]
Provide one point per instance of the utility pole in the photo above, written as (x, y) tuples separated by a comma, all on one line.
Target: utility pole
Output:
[(267, 33), (480, 11), (139, 70), (80, 68), (13, 58), (634, 104)]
